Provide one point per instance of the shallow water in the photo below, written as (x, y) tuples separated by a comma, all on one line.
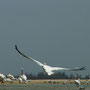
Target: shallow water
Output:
[(42, 87)]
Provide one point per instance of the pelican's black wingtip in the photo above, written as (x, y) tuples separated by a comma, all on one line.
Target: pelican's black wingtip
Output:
[(15, 46), (83, 68)]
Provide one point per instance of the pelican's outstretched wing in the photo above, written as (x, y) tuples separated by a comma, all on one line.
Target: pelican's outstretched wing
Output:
[(77, 68), (67, 69), (40, 64)]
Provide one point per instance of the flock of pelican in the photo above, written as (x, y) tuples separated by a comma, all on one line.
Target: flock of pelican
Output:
[(9, 78), (49, 70)]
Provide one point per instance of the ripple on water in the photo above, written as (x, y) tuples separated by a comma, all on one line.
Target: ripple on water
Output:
[(41, 87)]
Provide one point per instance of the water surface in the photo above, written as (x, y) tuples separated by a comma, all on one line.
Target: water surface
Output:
[(42, 87)]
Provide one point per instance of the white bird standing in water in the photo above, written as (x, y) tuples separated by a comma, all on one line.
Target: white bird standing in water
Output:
[(48, 69), (78, 83)]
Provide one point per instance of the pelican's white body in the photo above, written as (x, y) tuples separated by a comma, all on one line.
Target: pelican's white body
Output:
[(2, 77), (77, 82), (20, 80), (23, 77), (10, 76)]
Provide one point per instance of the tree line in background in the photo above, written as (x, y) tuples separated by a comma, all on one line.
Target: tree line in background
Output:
[(59, 75)]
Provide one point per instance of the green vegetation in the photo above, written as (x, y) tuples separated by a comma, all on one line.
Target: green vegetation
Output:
[(59, 75)]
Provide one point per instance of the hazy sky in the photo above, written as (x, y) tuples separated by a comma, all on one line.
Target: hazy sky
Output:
[(53, 31)]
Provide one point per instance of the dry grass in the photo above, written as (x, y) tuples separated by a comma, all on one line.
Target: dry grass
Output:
[(44, 81)]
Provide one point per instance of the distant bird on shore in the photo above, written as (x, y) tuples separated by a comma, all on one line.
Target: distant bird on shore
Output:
[(48, 69), (11, 76), (23, 77), (4, 79), (78, 84), (20, 80)]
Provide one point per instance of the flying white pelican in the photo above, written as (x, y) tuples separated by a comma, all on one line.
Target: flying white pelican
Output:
[(48, 69)]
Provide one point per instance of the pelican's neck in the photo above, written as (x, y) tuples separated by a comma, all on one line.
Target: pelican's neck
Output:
[(21, 71)]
